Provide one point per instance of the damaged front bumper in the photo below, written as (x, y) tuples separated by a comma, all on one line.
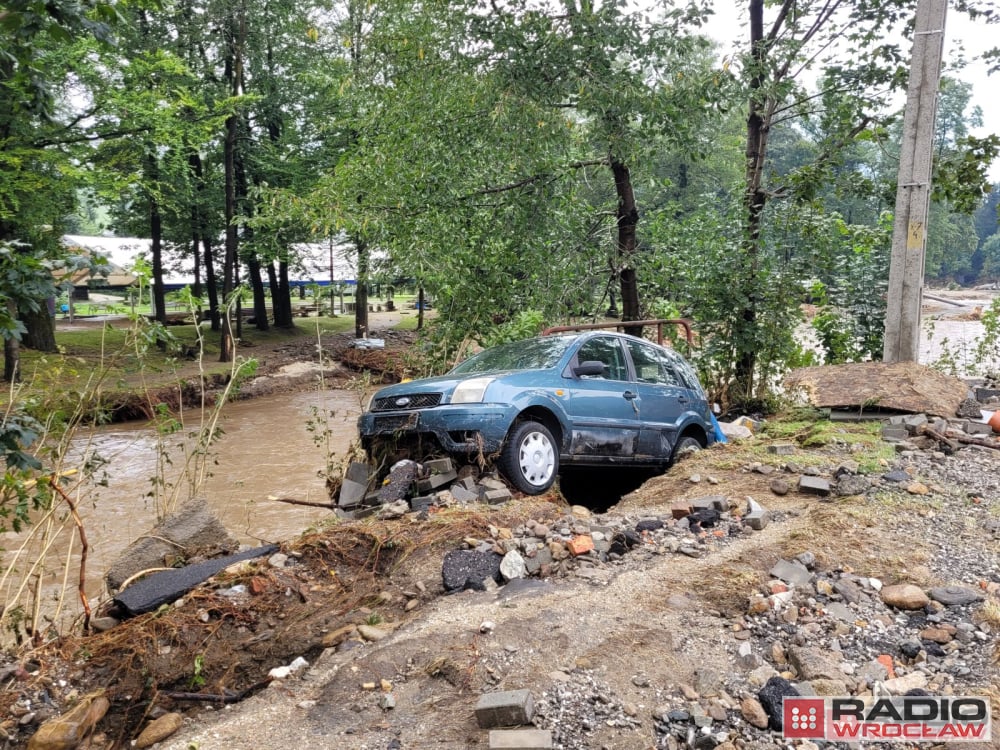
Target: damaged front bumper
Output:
[(458, 429)]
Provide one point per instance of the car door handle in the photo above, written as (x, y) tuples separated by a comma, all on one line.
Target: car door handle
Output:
[(629, 395)]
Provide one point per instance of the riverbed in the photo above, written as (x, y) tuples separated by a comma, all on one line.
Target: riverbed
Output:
[(271, 447)]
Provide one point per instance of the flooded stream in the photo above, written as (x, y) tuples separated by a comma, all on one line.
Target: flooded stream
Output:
[(267, 450)]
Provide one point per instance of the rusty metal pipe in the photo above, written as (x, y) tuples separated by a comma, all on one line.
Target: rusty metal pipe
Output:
[(658, 322)]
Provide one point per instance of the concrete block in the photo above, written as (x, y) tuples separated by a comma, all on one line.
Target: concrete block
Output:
[(469, 484), (509, 708), (463, 494), (436, 481), (497, 497), (894, 432), (439, 466), (814, 486), (423, 503), (977, 428), (985, 394), (913, 421), (716, 502), (355, 485), (491, 483), (520, 739), (757, 520), (781, 449)]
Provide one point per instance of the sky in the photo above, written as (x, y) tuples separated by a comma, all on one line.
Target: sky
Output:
[(728, 25)]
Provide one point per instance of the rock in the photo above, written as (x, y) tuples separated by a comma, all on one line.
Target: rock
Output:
[(917, 488), (849, 590), (397, 485), (829, 687), (814, 664), (781, 486), (938, 635), (753, 712), (851, 484), (372, 633), (706, 682), (905, 596), (464, 569), (395, 509), (159, 729), (770, 697), (969, 409), (66, 732), (902, 685), (954, 596), (649, 524), (513, 566), (791, 573)]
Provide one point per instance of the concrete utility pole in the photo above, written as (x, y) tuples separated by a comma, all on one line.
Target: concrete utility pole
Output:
[(913, 191)]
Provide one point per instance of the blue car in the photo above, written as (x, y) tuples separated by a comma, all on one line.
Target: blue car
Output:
[(597, 398)]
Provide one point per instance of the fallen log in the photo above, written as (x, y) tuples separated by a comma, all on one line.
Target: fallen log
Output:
[(954, 441), (310, 503)]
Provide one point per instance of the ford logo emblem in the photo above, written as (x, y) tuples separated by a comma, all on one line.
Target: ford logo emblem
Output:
[(403, 401)]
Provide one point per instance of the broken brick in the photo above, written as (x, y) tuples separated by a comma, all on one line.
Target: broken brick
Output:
[(580, 545), (681, 510)]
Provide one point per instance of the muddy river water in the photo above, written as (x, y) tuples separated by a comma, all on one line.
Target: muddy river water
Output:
[(267, 450)]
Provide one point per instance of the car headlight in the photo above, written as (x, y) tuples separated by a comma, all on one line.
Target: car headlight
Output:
[(471, 391)]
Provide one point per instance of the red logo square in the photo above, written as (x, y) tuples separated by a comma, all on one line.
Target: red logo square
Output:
[(803, 718)]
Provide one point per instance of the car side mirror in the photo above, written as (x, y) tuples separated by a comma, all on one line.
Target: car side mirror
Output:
[(591, 367)]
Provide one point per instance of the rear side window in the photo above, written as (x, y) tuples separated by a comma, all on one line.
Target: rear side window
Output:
[(605, 349), (650, 365), (684, 370)]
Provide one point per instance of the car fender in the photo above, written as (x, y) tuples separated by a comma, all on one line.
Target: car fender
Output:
[(542, 398)]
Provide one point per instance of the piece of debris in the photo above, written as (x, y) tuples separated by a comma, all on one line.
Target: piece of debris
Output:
[(169, 585), (190, 531), (510, 708), (874, 386)]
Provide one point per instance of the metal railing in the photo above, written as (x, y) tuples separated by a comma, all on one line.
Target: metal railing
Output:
[(658, 322)]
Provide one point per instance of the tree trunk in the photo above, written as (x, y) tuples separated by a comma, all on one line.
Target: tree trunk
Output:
[(282, 298), (259, 299), (754, 201), (361, 292), (156, 237), (211, 283), (11, 351), (41, 330), (420, 308), (229, 266), (628, 218)]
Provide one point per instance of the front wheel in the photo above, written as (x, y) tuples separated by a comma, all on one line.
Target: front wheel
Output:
[(529, 458)]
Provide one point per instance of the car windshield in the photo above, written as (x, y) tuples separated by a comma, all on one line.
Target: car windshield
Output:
[(532, 354)]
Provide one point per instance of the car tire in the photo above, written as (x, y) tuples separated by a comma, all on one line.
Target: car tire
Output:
[(685, 444), (530, 458)]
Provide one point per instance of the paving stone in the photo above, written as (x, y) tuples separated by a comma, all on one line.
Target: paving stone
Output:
[(892, 432), (355, 485), (510, 708), (439, 466), (781, 449), (497, 496), (814, 486), (463, 494), (435, 481), (423, 503), (715, 502), (977, 428), (520, 739), (757, 520)]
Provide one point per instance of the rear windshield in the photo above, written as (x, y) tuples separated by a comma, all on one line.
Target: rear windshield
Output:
[(531, 354)]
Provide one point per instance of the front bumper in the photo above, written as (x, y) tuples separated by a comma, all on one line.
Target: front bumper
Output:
[(463, 429)]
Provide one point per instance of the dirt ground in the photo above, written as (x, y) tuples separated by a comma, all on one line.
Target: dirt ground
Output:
[(642, 630)]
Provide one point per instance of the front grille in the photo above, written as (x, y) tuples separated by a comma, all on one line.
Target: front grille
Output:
[(394, 423), (414, 401)]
